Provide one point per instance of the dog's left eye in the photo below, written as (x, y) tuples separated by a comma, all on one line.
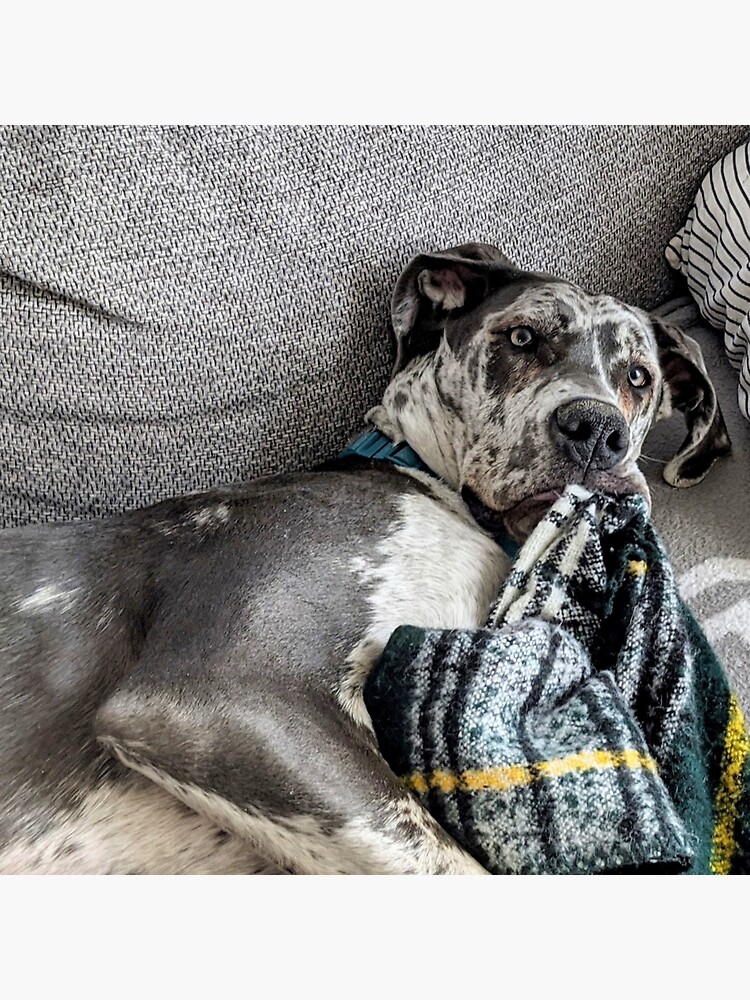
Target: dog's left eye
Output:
[(639, 377), (522, 336)]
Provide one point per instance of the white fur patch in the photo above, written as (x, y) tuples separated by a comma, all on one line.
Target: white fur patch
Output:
[(134, 828), (301, 845), (48, 597), (437, 570), (214, 516), (424, 851)]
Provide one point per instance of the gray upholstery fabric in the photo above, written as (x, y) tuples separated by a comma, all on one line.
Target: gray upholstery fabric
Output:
[(186, 306)]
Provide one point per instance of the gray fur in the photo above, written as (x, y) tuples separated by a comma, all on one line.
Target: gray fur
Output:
[(212, 648)]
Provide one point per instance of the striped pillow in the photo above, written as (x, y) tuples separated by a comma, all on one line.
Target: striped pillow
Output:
[(712, 252)]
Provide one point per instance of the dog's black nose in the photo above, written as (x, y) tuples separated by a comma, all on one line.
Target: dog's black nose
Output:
[(593, 435)]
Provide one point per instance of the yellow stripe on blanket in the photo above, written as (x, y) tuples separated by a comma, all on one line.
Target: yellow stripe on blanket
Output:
[(501, 779), (736, 749)]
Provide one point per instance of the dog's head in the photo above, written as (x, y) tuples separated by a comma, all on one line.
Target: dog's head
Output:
[(512, 384)]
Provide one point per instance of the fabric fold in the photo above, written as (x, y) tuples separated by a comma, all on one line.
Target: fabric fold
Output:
[(581, 730)]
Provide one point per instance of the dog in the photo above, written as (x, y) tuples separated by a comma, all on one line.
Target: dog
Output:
[(181, 685)]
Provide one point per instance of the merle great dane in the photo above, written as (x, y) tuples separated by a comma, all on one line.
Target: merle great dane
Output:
[(181, 685)]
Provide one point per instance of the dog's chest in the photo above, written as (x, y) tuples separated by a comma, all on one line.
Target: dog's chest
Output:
[(436, 569)]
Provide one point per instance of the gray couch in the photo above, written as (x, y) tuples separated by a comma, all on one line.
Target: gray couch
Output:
[(186, 306)]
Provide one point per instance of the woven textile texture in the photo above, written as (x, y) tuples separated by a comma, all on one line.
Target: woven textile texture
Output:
[(590, 727), (186, 306)]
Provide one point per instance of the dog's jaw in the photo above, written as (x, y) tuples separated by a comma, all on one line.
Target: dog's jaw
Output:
[(415, 410)]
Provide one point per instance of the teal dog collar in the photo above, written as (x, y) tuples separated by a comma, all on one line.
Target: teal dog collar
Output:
[(374, 444)]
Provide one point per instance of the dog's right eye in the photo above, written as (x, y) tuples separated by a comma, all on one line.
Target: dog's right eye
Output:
[(523, 337)]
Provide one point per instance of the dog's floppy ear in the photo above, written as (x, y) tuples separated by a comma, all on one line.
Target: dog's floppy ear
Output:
[(688, 388), (436, 284)]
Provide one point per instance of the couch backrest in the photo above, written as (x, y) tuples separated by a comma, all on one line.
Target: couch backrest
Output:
[(186, 306)]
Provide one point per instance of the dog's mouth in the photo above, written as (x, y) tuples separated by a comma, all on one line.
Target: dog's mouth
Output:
[(521, 518), (517, 521)]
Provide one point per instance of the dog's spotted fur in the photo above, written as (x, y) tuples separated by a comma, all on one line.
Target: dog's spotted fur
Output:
[(180, 686)]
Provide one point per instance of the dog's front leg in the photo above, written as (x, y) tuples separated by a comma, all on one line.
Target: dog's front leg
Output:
[(310, 790)]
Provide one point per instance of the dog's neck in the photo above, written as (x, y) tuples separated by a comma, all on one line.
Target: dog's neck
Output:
[(418, 407)]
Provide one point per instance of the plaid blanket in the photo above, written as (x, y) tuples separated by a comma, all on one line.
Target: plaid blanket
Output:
[(588, 727)]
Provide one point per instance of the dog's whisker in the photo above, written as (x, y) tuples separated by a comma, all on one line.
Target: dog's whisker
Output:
[(649, 458)]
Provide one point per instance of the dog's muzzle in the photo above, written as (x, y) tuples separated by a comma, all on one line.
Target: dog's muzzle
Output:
[(591, 434)]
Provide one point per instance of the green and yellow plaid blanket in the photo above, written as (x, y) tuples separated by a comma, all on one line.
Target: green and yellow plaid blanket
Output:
[(589, 727)]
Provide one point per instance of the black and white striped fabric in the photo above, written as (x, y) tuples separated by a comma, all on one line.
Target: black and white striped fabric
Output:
[(712, 252)]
